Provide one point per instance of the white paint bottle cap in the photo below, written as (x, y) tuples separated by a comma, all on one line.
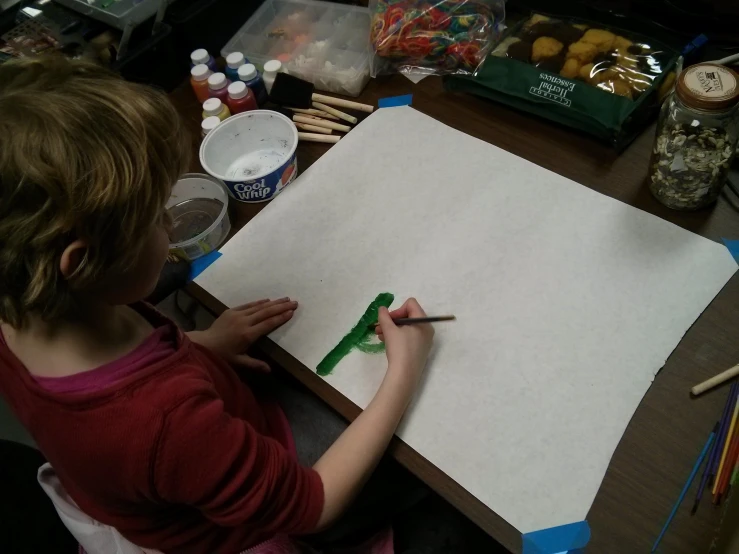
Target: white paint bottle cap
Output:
[(209, 123), (199, 56), (237, 90), (217, 81), (247, 72), (235, 59), (212, 106), (272, 66), (200, 72)]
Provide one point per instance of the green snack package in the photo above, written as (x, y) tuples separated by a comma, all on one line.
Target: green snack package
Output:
[(603, 81)]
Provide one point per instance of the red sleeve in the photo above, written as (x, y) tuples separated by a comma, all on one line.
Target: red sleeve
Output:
[(219, 464)]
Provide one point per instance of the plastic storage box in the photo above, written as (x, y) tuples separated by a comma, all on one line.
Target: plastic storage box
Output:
[(321, 42)]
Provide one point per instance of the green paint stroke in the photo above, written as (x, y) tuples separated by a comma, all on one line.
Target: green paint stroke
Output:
[(359, 337)]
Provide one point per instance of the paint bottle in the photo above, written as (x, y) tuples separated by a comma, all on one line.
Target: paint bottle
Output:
[(213, 106), (241, 98), (271, 69), (218, 85), (199, 81), (201, 56), (209, 123), (249, 75), (233, 62)]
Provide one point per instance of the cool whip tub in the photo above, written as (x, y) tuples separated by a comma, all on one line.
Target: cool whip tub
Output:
[(253, 153)]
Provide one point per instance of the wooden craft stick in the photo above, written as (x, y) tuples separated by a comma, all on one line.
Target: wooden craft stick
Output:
[(312, 137), (318, 113), (331, 101), (345, 116), (321, 123), (314, 117), (313, 128), (715, 381)]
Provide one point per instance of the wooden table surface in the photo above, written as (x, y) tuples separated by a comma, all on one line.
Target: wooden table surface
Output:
[(661, 443)]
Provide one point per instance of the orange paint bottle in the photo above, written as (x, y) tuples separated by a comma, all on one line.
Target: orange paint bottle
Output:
[(199, 81)]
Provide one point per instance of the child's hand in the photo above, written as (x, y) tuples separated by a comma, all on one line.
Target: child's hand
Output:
[(238, 328), (407, 346)]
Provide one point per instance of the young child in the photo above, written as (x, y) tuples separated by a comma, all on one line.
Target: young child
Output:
[(149, 430)]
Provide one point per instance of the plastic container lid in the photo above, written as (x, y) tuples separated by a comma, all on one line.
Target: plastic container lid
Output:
[(235, 59), (200, 72), (272, 66), (213, 106), (237, 90), (209, 123), (199, 56), (247, 72), (217, 81), (708, 86)]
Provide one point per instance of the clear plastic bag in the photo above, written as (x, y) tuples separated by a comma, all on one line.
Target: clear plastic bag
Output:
[(428, 37)]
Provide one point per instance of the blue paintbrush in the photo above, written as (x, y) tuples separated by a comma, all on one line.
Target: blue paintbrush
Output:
[(696, 467)]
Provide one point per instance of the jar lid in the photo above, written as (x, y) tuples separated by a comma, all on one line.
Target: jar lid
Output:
[(247, 72), (708, 86)]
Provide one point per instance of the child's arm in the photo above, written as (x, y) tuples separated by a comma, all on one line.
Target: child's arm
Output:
[(348, 463)]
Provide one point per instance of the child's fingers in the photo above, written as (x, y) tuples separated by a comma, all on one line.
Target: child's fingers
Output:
[(414, 308), (268, 325), (386, 322), (251, 304), (400, 312), (269, 310)]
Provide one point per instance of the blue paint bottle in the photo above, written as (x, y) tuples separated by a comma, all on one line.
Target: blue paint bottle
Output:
[(249, 74), (233, 62)]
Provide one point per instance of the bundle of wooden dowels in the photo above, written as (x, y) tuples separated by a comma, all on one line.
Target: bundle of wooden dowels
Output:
[(314, 113), (321, 121)]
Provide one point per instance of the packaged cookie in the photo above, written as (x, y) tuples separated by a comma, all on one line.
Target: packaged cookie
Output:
[(598, 78)]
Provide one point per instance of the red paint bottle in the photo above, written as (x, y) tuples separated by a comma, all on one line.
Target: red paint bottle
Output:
[(240, 98)]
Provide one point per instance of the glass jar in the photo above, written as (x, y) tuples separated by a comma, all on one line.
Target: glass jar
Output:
[(696, 139)]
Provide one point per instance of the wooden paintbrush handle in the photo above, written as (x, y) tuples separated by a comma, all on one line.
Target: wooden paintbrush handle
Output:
[(312, 137), (345, 116), (313, 128), (331, 101), (715, 381), (321, 123), (312, 111)]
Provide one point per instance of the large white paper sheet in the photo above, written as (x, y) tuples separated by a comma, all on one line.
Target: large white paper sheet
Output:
[(568, 302)]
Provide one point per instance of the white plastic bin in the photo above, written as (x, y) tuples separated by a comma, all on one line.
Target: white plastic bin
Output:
[(321, 42)]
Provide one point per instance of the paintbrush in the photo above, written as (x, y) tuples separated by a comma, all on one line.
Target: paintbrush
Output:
[(288, 90), (417, 320)]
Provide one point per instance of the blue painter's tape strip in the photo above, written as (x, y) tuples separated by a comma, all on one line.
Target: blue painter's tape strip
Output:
[(733, 246), (202, 263), (394, 101), (555, 540)]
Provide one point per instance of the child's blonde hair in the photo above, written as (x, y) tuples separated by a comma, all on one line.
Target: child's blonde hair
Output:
[(83, 155)]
